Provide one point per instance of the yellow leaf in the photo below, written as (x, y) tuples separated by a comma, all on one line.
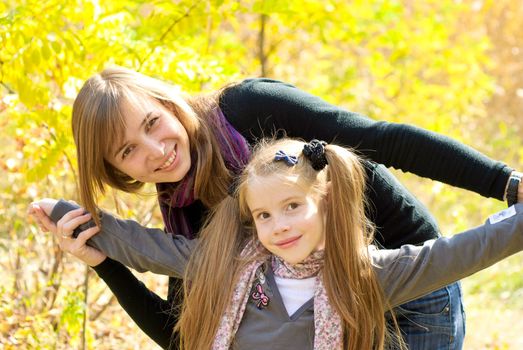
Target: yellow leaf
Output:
[(35, 57), (46, 52)]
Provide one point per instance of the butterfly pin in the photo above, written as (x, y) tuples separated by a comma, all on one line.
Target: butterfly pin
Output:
[(261, 299)]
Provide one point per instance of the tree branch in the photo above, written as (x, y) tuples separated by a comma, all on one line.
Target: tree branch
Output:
[(166, 32), (261, 45)]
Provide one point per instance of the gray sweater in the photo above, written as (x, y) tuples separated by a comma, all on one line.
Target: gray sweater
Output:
[(404, 273)]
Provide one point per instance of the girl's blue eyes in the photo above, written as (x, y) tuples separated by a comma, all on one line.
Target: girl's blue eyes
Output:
[(263, 215), (290, 206)]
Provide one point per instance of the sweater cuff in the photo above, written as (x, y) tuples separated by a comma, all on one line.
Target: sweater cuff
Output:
[(61, 208), (107, 267)]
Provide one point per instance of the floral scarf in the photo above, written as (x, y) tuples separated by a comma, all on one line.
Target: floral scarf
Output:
[(328, 334)]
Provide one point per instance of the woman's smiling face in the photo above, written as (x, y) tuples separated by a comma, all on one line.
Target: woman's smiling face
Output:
[(289, 220), (155, 146)]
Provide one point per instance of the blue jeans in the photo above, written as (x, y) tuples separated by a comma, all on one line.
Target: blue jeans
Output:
[(435, 321)]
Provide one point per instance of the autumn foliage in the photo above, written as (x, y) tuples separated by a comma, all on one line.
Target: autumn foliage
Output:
[(454, 67)]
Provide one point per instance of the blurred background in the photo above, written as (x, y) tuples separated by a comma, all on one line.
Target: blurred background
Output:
[(455, 67)]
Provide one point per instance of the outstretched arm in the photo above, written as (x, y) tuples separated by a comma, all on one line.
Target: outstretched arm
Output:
[(412, 271), (259, 107), (144, 249)]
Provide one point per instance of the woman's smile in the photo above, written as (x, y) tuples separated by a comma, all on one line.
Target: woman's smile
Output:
[(169, 163)]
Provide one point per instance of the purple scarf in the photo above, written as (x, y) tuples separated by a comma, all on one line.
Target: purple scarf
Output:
[(173, 197)]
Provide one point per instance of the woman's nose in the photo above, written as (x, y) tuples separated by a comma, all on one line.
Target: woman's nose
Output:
[(156, 149)]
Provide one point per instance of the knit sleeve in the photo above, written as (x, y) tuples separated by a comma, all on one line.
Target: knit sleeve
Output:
[(148, 310), (261, 107)]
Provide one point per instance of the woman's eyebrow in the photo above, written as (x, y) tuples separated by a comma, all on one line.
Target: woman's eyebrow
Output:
[(142, 124)]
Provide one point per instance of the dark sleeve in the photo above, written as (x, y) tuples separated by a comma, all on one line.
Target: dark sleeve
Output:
[(398, 216), (259, 107), (149, 311)]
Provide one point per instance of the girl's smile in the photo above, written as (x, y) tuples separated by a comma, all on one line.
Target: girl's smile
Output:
[(289, 242)]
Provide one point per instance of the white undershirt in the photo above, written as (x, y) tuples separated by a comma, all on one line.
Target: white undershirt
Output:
[(294, 292)]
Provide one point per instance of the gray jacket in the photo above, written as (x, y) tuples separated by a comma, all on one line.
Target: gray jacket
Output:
[(405, 273)]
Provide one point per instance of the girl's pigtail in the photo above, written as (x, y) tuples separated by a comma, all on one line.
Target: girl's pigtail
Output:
[(350, 281), (210, 276)]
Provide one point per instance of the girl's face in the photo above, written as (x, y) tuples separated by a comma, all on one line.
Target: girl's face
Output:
[(155, 145), (289, 220)]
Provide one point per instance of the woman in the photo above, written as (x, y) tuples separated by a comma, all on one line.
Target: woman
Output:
[(131, 129)]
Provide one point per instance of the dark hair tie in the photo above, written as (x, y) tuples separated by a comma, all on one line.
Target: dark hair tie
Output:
[(314, 151)]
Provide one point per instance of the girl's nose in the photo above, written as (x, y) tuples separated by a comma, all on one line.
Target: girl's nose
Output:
[(281, 225)]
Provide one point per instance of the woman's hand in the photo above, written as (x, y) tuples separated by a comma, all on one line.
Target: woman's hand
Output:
[(63, 231), (46, 206)]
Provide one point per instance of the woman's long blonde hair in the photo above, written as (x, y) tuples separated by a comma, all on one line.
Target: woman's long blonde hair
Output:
[(349, 278), (98, 123)]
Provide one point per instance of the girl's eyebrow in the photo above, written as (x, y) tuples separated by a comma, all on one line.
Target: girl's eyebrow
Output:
[(256, 210), (142, 124), (286, 199)]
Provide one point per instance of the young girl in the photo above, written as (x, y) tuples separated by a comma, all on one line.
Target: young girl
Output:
[(130, 129), (285, 262)]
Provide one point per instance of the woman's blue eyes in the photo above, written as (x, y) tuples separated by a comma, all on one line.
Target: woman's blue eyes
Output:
[(148, 126), (150, 123), (126, 152)]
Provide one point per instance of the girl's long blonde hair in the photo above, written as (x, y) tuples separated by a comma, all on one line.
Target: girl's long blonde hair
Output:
[(98, 124), (349, 278)]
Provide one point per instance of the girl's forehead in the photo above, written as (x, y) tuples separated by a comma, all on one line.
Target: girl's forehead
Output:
[(273, 179), (276, 183)]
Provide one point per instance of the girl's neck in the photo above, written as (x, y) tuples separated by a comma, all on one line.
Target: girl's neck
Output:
[(309, 267)]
